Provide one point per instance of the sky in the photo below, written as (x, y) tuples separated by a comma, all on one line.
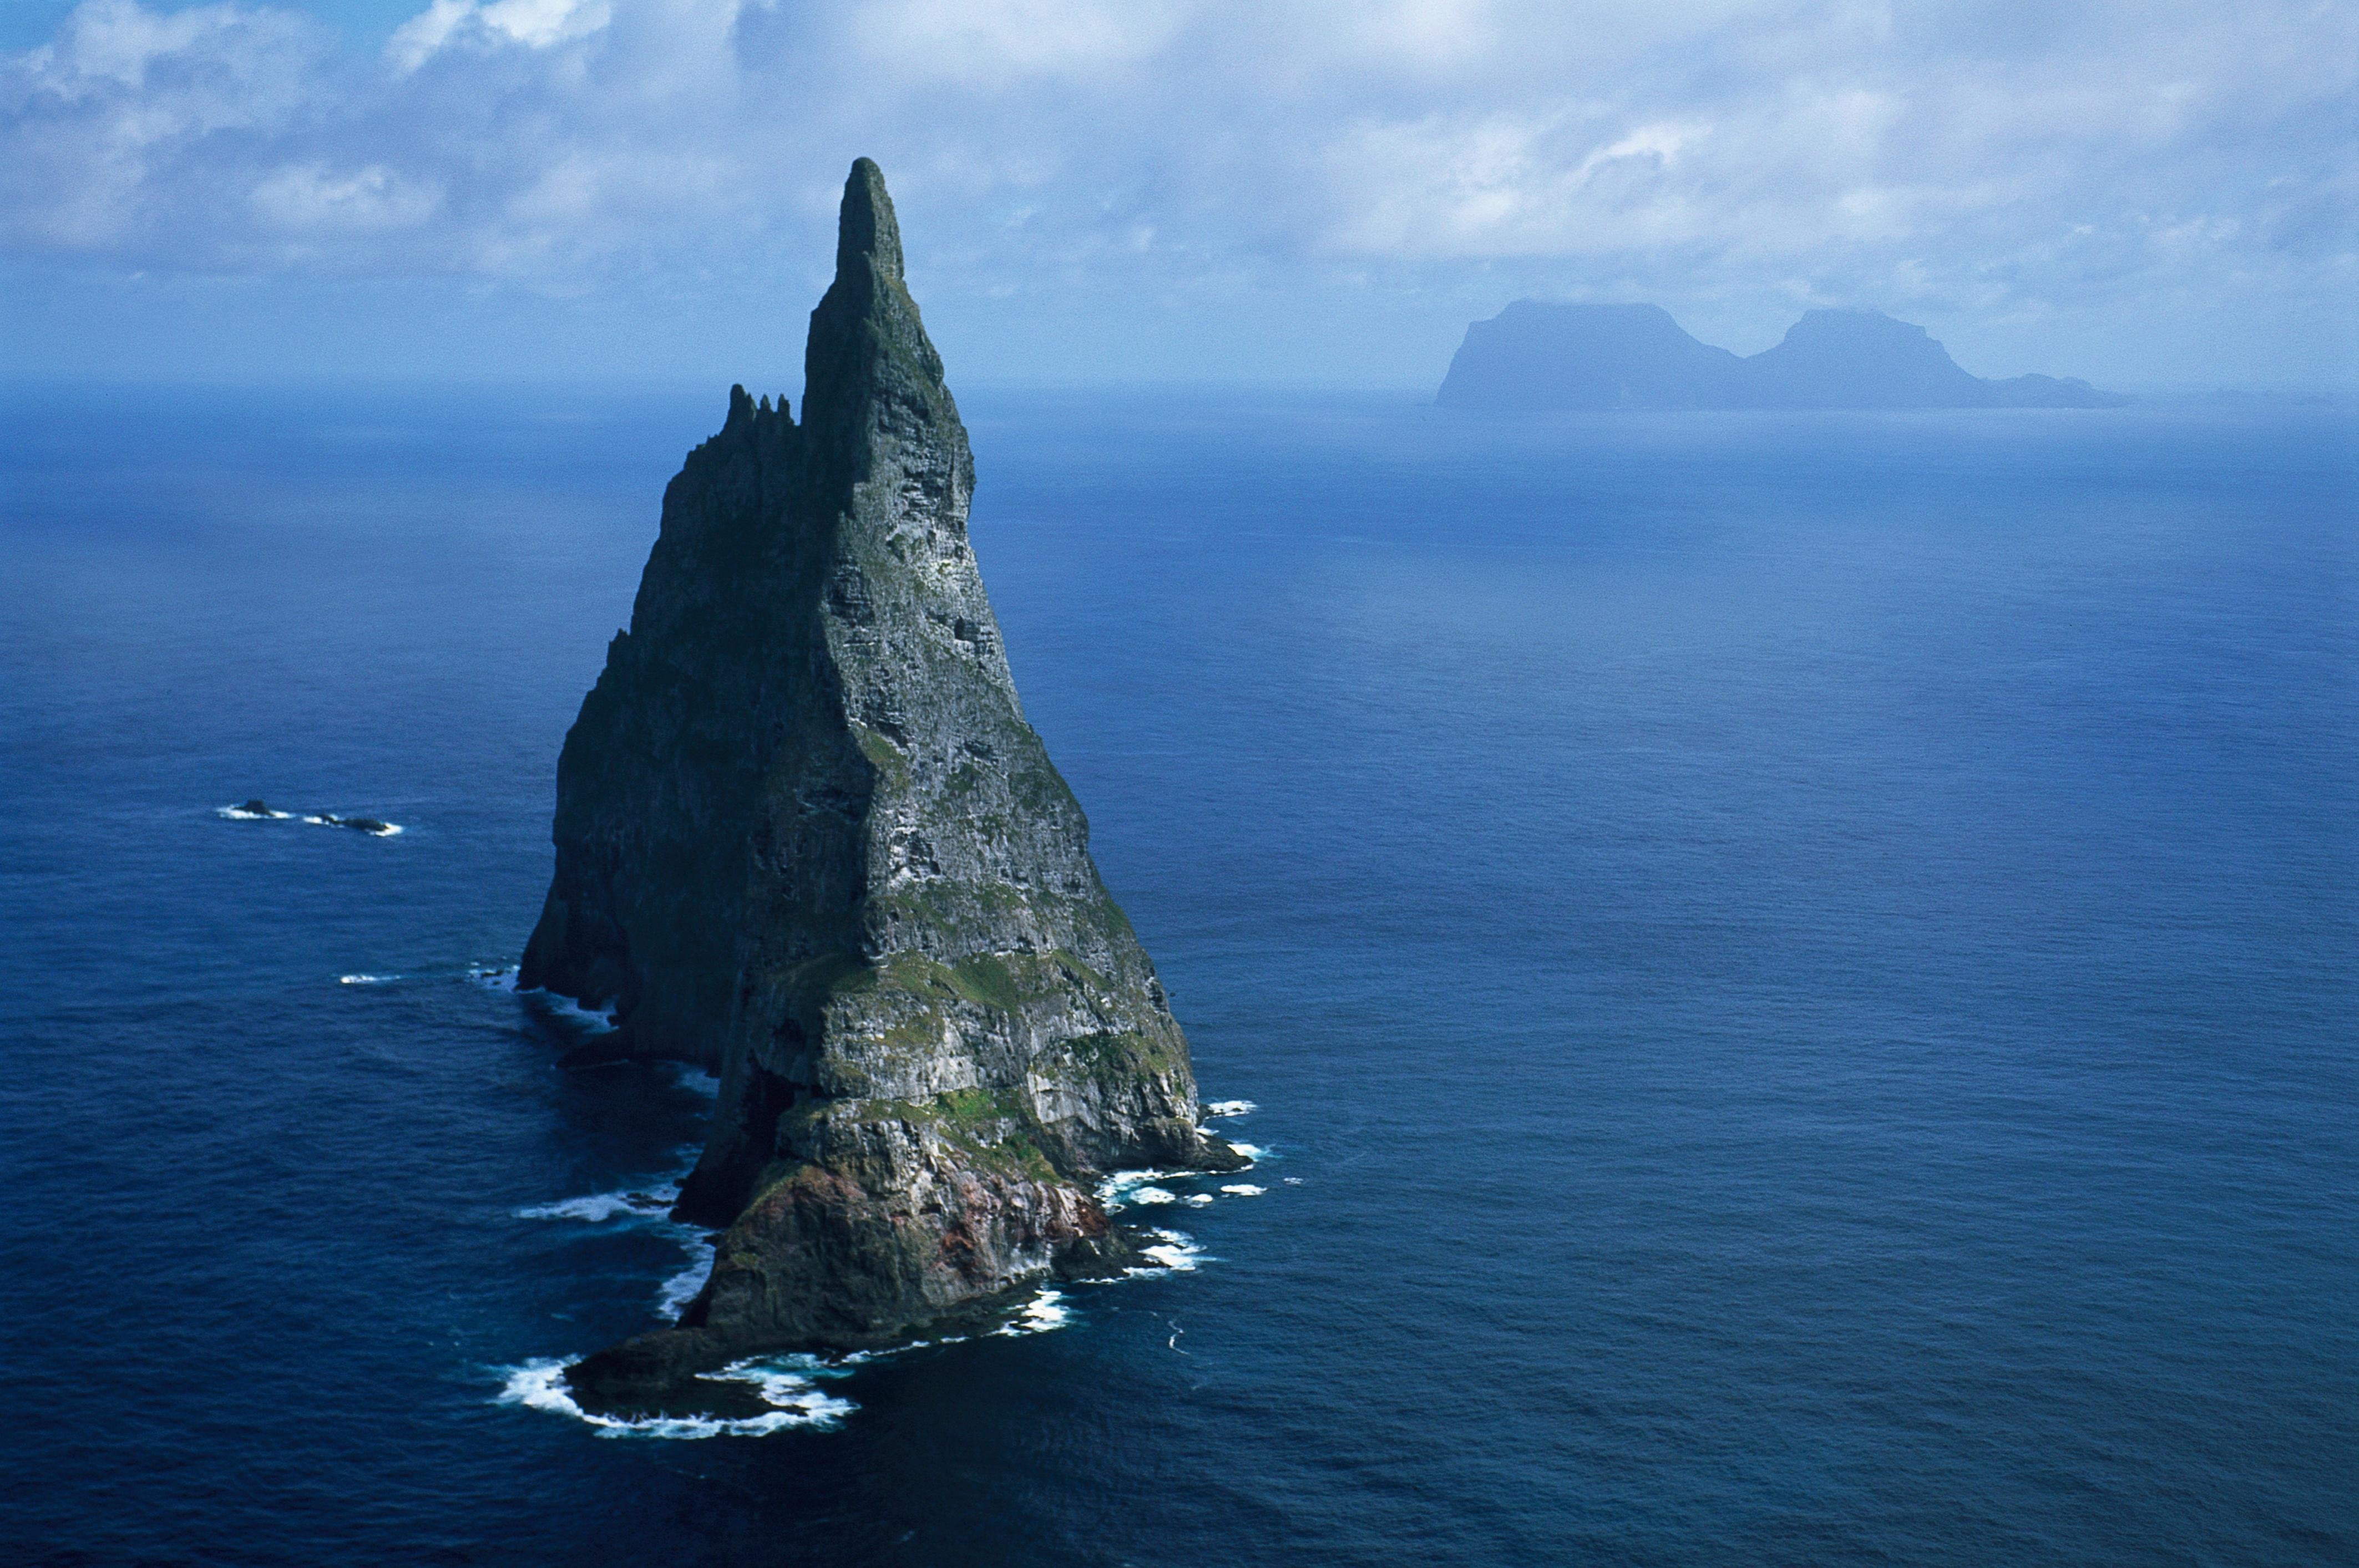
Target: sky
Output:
[(2157, 195)]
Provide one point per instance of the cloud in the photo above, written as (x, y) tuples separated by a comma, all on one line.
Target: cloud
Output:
[(491, 24), (1019, 41), (313, 198), (1986, 154), (108, 135)]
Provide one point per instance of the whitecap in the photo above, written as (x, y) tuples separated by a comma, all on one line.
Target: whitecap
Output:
[(1245, 1190), (784, 1383), (1153, 1195), (240, 814), (1197, 1200), (498, 977), (1230, 1107), (1293, 1180), (364, 980)]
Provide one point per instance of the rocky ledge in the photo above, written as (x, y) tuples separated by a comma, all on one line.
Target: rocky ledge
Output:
[(806, 839)]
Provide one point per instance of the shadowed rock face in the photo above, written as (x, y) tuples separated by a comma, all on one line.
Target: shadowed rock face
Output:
[(1535, 356), (806, 838)]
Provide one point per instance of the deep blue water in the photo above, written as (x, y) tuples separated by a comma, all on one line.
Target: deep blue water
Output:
[(1803, 969)]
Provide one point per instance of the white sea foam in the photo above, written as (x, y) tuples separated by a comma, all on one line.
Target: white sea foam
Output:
[(1117, 1190), (681, 1288), (695, 1080), (1244, 1190), (785, 1383), (317, 819), (364, 980), (1230, 1107), (1174, 1251), (593, 1021), (1197, 1200), (1041, 1315), (558, 1007), (1250, 1150), (1293, 1180), (600, 1206), (648, 1206), (1153, 1195), (382, 830)]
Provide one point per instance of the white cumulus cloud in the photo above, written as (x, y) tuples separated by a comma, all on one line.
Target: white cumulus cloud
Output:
[(1992, 154)]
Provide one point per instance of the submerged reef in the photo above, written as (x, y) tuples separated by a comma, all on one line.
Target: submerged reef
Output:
[(806, 839)]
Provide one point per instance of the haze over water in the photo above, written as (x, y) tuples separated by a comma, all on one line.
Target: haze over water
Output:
[(1801, 968)]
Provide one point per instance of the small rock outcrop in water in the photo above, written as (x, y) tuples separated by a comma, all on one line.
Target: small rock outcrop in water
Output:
[(806, 839), (259, 810), (1535, 356)]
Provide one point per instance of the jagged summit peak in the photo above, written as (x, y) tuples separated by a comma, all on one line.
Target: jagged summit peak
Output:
[(866, 227), (744, 410)]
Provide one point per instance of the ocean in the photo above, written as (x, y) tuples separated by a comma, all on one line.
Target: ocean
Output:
[(1797, 978)]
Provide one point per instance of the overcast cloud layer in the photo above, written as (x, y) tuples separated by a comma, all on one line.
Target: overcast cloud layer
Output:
[(1195, 186)]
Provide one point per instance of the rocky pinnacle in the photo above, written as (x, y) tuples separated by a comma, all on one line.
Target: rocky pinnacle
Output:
[(806, 838)]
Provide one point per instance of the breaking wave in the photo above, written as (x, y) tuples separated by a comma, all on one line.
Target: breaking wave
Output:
[(681, 1288), (593, 1021), (1044, 1313), (649, 1206), (1174, 1251), (604, 1206), (789, 1385), (561, 1009), (695, 1079), (1230, 1107), (1116, 1191)]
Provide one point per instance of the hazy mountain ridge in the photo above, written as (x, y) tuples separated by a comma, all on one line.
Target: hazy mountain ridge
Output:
[(1535, 356)]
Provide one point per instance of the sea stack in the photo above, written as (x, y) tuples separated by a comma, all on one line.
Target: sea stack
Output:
[(806, 838)]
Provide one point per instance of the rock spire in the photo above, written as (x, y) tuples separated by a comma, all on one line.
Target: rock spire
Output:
[(806, 838)]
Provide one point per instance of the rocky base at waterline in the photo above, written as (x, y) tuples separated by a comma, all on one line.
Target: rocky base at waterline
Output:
[(665, 1373), (806, 839)]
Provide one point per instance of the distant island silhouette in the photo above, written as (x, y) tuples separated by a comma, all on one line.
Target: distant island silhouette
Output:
[(1534, 355)]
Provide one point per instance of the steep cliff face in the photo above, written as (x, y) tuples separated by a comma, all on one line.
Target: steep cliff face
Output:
[(806, 838)]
